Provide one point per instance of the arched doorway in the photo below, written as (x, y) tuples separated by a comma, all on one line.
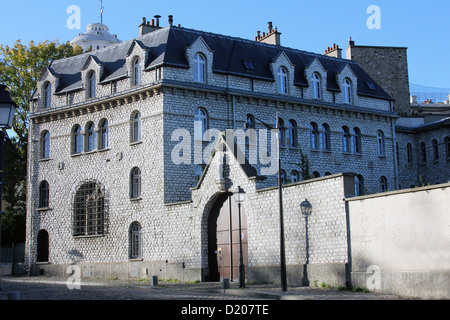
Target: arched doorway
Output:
[(42, 246), (223, 239)]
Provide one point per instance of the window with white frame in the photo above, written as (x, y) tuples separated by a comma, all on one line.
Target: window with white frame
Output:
[(44, 192), (316, 88), (47, 95), (314, 136), (383, 184), (135, 183), (346, 140), (325, 139), (294, 176), (200, 123), (137, 72), (136, 127), (77, 140), (104, 135), (199, 68), (409, 152), (282, 77), (356, 141), (135, 240), (291, 133), (91, 85), (347, 89), (90, 137), (45, 145), (380, 143)]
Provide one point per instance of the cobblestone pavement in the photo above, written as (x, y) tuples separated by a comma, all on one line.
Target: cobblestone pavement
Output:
[(43, 288)]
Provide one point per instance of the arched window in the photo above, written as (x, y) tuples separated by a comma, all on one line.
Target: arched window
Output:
[(315, 81), (359, 184), (44, 192), (135, 241), (91, 85), (347, 89), (199, 68), (325, 137), (380, 143), (282, 77), (294, 176), (135, 183), (283, 177), (200, 124), (90, 137), (383, 185), (423, 152), (45, 145), (88, 210), (316, 174), (314, 136), (435, 150), (137, 72), (346, 140), (104, 134), (136, 127), (281, 132), (291, 133), (77, 140), (409, 151), (356, 141), (48, 95), (250, 122)]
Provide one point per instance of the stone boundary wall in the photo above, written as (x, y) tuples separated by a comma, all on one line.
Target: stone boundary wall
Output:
[(399, 242)]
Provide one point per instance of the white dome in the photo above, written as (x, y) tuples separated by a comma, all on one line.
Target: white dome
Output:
[(96, 37)]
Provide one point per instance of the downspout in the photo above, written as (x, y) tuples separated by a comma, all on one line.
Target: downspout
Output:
[(30, 184), (394, 149)]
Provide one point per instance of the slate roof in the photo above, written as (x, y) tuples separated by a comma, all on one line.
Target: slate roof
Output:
[(167, 47)]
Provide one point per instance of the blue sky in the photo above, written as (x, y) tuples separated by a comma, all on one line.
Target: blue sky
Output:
[(422, 26)]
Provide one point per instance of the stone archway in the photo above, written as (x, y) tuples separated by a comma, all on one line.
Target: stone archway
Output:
[(223, 239)]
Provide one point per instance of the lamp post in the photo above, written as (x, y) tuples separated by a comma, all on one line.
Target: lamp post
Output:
[(306, 209), (7, 110), (239, 196), (280, 201)]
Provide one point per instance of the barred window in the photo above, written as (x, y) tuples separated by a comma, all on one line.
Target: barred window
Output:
[(135, 241), (43, 194), (88, 210)]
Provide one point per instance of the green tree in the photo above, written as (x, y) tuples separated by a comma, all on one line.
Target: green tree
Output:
[(20, 68), (304, 166)]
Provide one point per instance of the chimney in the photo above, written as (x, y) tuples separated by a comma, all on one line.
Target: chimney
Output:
[(145, 27), (334, 51), (272, 36), (170, 20)]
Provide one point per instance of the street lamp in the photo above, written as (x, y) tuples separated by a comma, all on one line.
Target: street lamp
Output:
[(239, 196), (280, 202), (7, 110), (306, 209)]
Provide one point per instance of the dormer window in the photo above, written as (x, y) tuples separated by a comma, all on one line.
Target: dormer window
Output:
[(347, 90), (91, 85), (48, 95), (282, 76), (315, 82), (137, 72), (199, 68)]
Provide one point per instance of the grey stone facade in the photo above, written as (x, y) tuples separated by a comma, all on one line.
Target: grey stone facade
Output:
[(171, 207)]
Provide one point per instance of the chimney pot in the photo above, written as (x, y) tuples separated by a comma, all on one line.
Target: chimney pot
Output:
[(144, 20), (170, 20), (157, 20), (270, 26)]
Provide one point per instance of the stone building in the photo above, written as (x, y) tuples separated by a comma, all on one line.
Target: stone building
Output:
[(133, 158), (97, 36)]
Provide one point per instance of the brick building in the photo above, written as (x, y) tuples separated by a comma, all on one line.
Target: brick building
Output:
[(130, 172)]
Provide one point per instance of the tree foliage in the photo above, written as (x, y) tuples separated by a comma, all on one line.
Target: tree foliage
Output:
[(20, 68)]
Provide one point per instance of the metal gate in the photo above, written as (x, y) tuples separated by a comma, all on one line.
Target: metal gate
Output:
[(224, 239)]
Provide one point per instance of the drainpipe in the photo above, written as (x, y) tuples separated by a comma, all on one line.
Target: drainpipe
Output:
[(30, 179)]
